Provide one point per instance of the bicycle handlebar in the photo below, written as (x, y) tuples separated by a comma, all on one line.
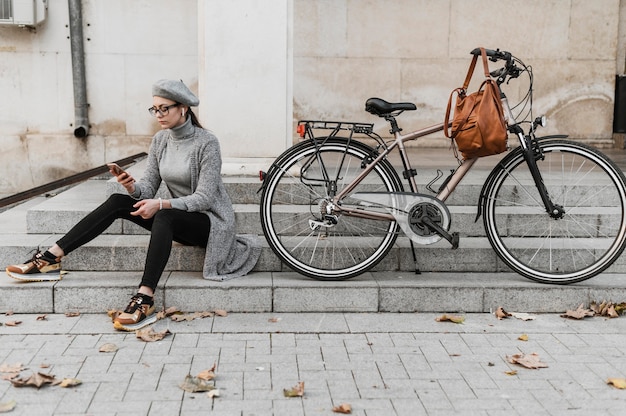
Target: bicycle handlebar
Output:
[(494, 55), (509, 70)]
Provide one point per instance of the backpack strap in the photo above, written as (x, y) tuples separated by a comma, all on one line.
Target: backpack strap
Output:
[(470, 71), (485, 63), (448, 122)]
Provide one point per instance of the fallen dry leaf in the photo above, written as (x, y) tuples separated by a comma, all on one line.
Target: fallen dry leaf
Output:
[(610, 312), (69, 382), (182, 318), (579, 313), (523, 337), (72, 314), (9, 313), (191, 316), (42, 318), (527, 360), (213, 394), (35, 380), (207, 374), (149, 335), (274, 320), (12, 323), (619, 383), (608, 309), (457, 319), (523, 316), (221, 312), (344, 408), (511, 372), (295, 391), (501, 313), (114, 313), (11, 368), (168, 312), (195, 385), (108, 348), (8, 406)]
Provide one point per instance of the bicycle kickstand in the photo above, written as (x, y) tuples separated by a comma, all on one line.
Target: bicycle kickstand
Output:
[(417, 269)]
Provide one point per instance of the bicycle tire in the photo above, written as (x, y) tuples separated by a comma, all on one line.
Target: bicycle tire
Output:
[(585, 241), (293, 196)]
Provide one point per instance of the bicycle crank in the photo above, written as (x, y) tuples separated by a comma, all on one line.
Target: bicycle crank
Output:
[(422, 218)]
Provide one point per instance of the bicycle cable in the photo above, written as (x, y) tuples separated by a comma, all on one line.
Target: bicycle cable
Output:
[(525, 104)]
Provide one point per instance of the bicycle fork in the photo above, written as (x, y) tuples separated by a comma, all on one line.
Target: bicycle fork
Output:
[(532, 153)]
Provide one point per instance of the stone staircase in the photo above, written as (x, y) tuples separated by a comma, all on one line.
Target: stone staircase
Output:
[(469, 279)]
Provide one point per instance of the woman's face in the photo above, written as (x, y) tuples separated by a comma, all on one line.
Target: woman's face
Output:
[(168, 113)]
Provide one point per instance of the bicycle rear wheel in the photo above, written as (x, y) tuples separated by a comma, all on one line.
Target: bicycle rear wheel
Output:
[(297, 197), (585, 241)]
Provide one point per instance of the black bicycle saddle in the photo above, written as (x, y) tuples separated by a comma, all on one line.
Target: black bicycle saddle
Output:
[(380, 107)]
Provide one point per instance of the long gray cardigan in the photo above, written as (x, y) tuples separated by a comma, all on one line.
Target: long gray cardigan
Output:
[(227, 255)]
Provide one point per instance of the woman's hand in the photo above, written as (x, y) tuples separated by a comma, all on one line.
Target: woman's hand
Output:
[(126, 181), (146, 208)]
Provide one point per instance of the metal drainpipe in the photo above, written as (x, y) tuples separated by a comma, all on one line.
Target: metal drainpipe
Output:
[(81, 117)]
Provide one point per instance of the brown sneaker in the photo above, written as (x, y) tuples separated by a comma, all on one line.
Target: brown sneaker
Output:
[(40, 268), (138, 313)]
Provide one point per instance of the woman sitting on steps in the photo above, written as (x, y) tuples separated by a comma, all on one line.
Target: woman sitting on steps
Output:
[(187, 158)]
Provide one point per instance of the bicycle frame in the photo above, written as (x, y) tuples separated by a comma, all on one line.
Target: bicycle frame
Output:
[(452, 182), (399, 141)]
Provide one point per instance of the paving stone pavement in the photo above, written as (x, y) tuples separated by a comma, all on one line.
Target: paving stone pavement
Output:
[(380, 363)]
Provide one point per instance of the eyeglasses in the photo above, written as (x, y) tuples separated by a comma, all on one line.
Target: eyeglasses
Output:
[(163, 110)]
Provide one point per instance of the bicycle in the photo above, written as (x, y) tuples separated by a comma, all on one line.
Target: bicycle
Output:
[(553, 209)]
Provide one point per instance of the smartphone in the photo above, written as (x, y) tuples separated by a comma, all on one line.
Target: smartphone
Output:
[(114, 167)]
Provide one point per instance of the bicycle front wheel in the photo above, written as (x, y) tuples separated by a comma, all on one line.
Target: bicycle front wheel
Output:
[(586, 240), (298, 219)]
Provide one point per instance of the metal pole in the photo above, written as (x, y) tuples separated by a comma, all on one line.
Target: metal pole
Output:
[(81, 117)]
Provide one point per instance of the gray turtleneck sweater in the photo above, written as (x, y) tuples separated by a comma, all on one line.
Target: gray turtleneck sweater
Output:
[(175, 162)]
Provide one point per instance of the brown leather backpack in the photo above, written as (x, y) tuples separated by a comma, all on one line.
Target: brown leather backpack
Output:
[(478, 126)]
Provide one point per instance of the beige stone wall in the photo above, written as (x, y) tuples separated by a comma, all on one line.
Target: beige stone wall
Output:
[(344, 51), (417, 50)]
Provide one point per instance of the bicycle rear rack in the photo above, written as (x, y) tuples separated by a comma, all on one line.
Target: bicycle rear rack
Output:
[(355, 127)]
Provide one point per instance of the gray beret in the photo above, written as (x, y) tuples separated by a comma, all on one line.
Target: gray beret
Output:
[(175, 91)]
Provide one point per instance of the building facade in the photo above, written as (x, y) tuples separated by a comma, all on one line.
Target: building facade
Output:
[(258, 66)]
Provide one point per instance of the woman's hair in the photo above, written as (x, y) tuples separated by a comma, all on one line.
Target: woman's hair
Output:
[(194, 119)]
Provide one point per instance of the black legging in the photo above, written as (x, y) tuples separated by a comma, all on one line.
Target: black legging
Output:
[(189, 228)]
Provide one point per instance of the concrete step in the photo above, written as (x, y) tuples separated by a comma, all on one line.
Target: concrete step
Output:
[(58, 214), (462, 292), (127, 253)]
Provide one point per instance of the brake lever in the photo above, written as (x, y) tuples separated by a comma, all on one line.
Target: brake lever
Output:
[(497, 72)]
